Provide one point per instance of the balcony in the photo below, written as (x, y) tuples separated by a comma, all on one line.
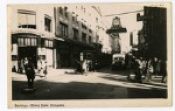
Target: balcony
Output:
[(26, 30), (27, 26)]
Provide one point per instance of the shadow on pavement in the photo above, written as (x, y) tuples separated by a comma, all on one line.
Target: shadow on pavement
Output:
[(124, 79), (80, 90), (118, 72)]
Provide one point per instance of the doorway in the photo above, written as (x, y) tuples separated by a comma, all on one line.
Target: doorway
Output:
[(30, 52)]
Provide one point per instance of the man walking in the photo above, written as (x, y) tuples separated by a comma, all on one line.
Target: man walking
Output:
[(30, 72)]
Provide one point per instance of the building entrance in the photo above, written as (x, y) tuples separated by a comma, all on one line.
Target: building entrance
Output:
[(30, 52)]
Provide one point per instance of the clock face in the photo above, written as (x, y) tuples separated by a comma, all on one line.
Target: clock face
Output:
[(116, 22)]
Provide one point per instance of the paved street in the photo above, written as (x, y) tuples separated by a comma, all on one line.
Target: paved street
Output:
[(94, 85)]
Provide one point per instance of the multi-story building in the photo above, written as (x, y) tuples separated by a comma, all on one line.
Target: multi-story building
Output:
[(80, 27), (32, 34), (153, 36), (62, 35)]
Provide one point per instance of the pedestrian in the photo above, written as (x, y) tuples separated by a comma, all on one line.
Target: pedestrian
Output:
[(163, 71), (79, 68), (137, 70), (22, 66), (30, 72), (158, 67), (45, 68), (84, 66), (144, 69), (127, 65), (42, 69), (149, 71), (155, 66), (141, 65), (25, 62)]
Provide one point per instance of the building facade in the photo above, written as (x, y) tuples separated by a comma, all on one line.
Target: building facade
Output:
[(79, 26), (153, 36), (32, 35), (60, 34)]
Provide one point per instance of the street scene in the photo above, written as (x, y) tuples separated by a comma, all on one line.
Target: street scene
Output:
[(88, 51), (95, 85)]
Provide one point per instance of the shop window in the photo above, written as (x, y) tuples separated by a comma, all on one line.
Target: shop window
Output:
[(33, 42), (47, 23), (48, 43), (27, 42), (64, 29), (26, 19)]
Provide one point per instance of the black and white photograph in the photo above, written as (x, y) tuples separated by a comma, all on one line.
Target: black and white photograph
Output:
[(89, 52)]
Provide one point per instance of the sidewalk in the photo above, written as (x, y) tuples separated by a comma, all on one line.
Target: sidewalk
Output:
[(68, 75), (51, 72)]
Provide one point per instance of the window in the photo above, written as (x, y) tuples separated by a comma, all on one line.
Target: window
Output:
[(48, 43), (84, 37), (90, 30), (64, 29), (27, 42), (90, 39), (66, 14), (75, 32), (61, 10), (47, 23), (26, 19), (84, 26), (73, 19)]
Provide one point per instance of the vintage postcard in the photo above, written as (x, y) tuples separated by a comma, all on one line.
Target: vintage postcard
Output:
[(89, 55)]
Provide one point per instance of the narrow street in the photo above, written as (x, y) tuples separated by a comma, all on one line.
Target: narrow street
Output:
[(103, 84)]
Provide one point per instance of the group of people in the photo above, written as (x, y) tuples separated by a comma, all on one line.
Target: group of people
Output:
[(85, 66), (27, 67), (146, 68)]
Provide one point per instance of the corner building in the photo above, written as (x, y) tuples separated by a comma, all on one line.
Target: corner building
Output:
[(32, 34), (60, 34)]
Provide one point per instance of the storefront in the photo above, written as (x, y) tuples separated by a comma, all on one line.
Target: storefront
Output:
[(68, 52), (27, 45), (24, 46)]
